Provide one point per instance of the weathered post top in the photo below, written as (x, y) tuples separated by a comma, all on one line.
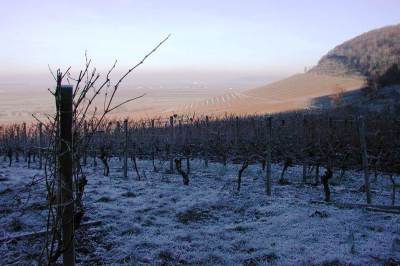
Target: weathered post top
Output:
[(66, 89)]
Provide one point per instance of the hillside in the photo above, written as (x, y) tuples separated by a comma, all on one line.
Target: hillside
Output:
[(344, 69), (305, 86), (295, 92), (370, 53)]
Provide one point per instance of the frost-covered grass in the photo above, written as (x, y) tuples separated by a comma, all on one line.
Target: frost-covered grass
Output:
[(158, 221)]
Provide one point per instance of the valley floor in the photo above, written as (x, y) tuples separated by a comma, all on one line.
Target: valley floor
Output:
[(158, 221)]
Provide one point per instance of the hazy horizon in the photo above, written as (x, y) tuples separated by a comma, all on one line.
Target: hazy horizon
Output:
[(216, 50), (222, 40)]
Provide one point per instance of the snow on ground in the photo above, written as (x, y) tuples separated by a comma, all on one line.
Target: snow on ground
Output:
[(158, 221)]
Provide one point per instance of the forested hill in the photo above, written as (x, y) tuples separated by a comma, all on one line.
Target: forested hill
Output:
[(371, 53)]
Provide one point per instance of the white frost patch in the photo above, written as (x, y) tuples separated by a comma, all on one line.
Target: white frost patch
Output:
[(159, 221)]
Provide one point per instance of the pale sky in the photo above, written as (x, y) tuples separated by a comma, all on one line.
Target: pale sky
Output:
[(262, 37)]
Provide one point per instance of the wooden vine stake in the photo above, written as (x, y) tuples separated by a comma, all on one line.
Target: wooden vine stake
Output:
[(237, 134), (24, 142), (65, 159), (126, 148), (269, 155), (40, 145), (304, 132), (206, 143), (171, 142), (364, 155), (85, 134)]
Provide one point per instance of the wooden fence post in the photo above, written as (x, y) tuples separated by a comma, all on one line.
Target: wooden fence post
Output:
[(269, 156), (126, 148), (364, 155), (65, 159)]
